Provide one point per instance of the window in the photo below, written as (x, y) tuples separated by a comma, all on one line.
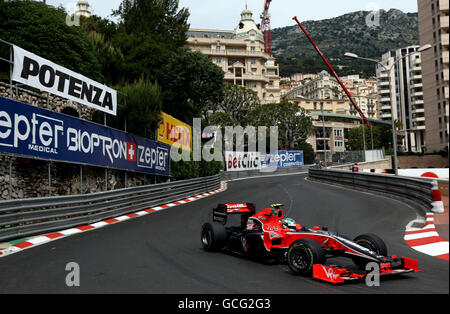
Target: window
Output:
[(218, 48), (253, 61), (219, 60)]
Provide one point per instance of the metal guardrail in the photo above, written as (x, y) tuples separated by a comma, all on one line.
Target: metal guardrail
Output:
[(20, 218), (418, 191), (257, 173)]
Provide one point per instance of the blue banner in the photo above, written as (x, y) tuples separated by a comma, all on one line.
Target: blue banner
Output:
[(283, 159), (30, 131)]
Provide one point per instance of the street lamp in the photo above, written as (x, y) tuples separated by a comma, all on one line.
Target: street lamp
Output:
[(394, 133)]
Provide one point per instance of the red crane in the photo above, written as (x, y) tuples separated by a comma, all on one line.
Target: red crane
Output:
[(266, 28), (363, 117)]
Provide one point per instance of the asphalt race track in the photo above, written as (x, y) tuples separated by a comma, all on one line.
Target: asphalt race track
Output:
[(161, 253)]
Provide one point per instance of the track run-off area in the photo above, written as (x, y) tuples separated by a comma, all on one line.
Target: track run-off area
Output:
[(161, 253)]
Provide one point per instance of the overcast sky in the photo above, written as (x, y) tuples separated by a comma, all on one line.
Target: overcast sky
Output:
[(225, 14)]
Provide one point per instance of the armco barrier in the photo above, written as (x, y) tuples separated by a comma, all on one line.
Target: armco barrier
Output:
[(234, 175), (20, 218), (415, 190)]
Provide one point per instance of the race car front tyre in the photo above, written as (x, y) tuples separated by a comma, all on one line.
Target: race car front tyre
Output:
[(303, 254), (371, 242), (213, 236)]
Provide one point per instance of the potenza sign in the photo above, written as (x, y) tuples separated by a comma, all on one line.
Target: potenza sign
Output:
[(30, 131), (34, 71)]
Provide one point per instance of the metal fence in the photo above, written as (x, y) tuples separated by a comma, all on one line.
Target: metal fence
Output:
[(19, 218), (415, 190)]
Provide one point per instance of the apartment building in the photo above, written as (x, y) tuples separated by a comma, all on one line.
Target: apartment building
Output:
[(434, 30), (325, 87), (240, 54), (400, 96), (322, 87)]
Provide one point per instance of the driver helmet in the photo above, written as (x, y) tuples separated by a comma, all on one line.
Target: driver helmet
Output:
[(289, 223)]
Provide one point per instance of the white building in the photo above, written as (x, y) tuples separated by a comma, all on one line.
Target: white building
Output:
[(83, 9), (400, 96)]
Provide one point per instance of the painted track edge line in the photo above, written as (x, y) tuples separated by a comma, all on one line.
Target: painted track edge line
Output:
[(47, 238)]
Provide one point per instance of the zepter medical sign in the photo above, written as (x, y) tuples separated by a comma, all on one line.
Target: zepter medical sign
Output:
[(29, 131), (34, 71)]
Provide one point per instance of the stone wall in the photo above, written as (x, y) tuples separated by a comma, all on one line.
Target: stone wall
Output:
[(380, 164), (421, 162), (28, 178)]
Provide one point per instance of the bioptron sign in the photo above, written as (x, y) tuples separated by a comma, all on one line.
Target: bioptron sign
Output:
[(30, 131)]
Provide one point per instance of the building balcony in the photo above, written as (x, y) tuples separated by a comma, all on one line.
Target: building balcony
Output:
[(384, 92), (418, 110), (418, 102), (443, 6), (259, 78), (272, 88), (419, 119), (445, 22), (418, 128), (416, 85), (444, 40), (445, 57)]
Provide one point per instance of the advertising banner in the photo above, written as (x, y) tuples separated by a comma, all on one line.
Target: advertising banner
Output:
[(175, 133), (30, 131), (34, 71), (242, 161), (283, 159)]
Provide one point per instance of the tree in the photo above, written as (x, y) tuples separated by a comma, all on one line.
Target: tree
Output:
[(192, 83), (139, 108), (236, 108), (42, 30), (293, 123), (159, 20), (382, 137)]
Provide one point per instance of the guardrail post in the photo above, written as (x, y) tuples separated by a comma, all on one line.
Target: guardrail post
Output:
[(10, 175), (49, 178), (11, 62)]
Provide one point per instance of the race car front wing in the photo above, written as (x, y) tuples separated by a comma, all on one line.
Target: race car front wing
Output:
[(337, 274)]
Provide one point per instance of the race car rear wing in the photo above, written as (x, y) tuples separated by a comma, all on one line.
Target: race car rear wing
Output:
[(245, 210)]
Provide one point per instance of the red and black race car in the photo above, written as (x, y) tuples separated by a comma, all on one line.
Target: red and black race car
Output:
[(268, 236)]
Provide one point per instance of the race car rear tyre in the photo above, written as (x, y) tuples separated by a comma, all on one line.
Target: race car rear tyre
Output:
[(371, 242), (213, 236), (303, 254)]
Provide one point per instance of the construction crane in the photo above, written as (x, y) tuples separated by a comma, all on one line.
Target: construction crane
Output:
[(355, 105), (266, 28)]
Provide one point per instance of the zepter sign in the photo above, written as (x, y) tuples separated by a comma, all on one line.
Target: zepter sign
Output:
[(34, 71)]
